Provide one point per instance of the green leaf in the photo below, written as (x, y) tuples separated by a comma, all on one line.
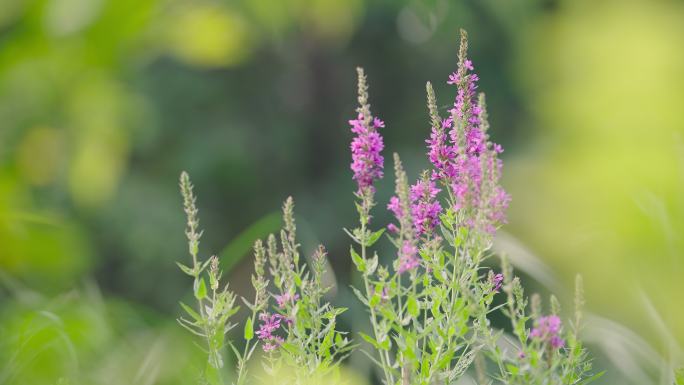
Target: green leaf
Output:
[(448, 235), (200, 289), (461, 235), (409, 347), (412, 306), (435, 307), (358, 261), (385, 344), (351, 236), (187, 270), (360, 296), (290, 348), (370, 340), (425, 364), (249, 329), (191, 312), (447, 221), (599, 375), (374, 237), (372, 265), (375, 300), (339, 341), (327, 343), (512, 369), (445, 360), (212, 375)]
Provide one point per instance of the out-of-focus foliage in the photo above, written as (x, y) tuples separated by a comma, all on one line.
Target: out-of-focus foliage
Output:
[(78, 338), (103, 102), (605, 88)]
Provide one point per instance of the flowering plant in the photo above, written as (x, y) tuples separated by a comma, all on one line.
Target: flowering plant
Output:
[(430, 310), (296, 328)]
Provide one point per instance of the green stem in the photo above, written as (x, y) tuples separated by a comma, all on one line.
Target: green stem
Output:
[(384, 356)]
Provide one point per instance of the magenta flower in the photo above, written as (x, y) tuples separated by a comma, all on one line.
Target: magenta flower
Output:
[(425, 209), (394, 206), (273, 344), (367, 163), (440, 153), (408, 259), (497, 280), (270, 323), (547, 329), (556, 342), (464, 160), (286, 298)]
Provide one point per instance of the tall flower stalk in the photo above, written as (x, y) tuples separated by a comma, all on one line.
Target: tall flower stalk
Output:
[(215, 304), (430, 311), (367, 165)]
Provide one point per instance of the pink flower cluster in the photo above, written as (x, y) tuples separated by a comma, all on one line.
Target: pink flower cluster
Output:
[(497, 280), (367, 163), (425, 209), (408, 259), (270, 323), (440, 153), (547, 329), (465, 161), (285, 298), (422, 218)]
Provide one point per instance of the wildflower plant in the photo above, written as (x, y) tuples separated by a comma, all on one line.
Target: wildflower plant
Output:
[(215, 305), (430, 311), (288, 317), (309, 345)]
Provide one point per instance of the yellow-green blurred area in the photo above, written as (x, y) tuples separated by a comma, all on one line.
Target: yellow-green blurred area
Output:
[(104, 102)]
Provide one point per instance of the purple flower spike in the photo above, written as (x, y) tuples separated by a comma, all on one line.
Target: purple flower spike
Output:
[(464, 160), (425, 209), (408, 259), (497, 280), (547, 329), (270, 323), (286, 298), (367, 163)]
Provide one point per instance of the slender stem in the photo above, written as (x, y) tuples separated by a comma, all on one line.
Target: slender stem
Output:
[(242, 360), (384, 357)]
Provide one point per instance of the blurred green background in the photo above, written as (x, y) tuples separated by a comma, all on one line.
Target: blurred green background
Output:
[(104, 102)]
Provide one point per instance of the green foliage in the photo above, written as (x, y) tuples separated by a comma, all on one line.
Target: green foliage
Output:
[(215, 305), (312, 347), (679, 376), (81, 339)]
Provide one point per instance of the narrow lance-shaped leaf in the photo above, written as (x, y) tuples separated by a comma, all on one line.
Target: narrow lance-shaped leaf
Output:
[(200, 289), (249, 329)]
